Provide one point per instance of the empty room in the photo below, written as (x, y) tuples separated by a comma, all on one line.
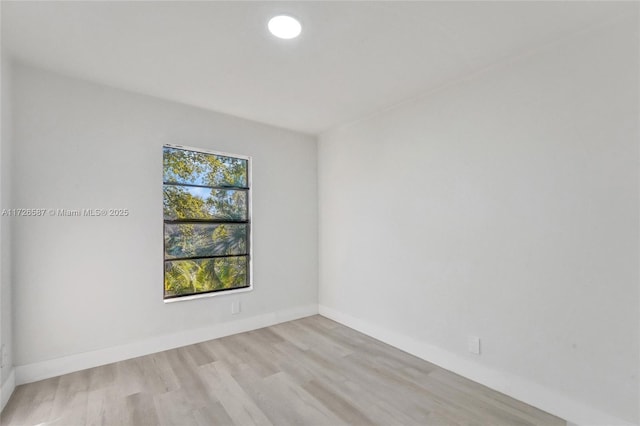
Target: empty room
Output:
[(320, 213)]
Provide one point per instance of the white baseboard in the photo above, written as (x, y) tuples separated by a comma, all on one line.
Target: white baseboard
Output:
[(55, 367), (522, 389), (7, 389)]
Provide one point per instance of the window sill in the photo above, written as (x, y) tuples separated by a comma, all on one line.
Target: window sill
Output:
[(207, 295)]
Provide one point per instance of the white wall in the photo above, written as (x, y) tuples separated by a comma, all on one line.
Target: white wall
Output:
[(504, 206), (83, 283), (6, 332)]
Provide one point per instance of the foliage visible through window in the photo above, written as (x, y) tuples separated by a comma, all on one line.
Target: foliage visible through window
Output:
[(206, 222)]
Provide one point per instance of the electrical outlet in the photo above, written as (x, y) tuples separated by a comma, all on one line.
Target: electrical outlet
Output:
[(235, 307), (473, 345)]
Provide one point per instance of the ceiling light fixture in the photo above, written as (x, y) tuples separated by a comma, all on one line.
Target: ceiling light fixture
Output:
[(283, 26)]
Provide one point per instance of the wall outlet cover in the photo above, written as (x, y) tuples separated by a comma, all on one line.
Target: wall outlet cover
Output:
[(473, 345)]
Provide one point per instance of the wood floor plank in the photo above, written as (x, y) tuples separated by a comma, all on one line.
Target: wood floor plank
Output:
[(485, 394), (70, 401), (174, 408), (107, 407), (377, 407), (303, 408), (41, 404), (311, 371), (185, 369), (240, 407), (130, 377), (339, 406), (254, 354), (212, 414), (16, 410), (142, 409), (200, 354)]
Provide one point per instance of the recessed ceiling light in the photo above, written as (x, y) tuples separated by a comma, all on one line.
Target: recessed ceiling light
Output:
[(284, 26)]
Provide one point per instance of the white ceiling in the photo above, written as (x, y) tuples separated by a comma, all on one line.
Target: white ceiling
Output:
[(352, 59)]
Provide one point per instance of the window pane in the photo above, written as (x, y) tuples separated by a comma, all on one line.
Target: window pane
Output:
[(184, 202), (199, 168), (182, 277), (203, 239)]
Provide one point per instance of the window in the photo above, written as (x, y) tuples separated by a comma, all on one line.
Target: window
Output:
[(207, 222)]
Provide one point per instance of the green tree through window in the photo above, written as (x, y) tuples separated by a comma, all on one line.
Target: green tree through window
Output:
[(207, 226)]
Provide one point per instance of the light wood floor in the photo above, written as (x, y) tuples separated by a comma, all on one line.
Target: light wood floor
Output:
[(311, 371)]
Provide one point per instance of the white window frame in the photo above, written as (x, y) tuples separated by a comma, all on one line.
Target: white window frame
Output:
[(250, 221)]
